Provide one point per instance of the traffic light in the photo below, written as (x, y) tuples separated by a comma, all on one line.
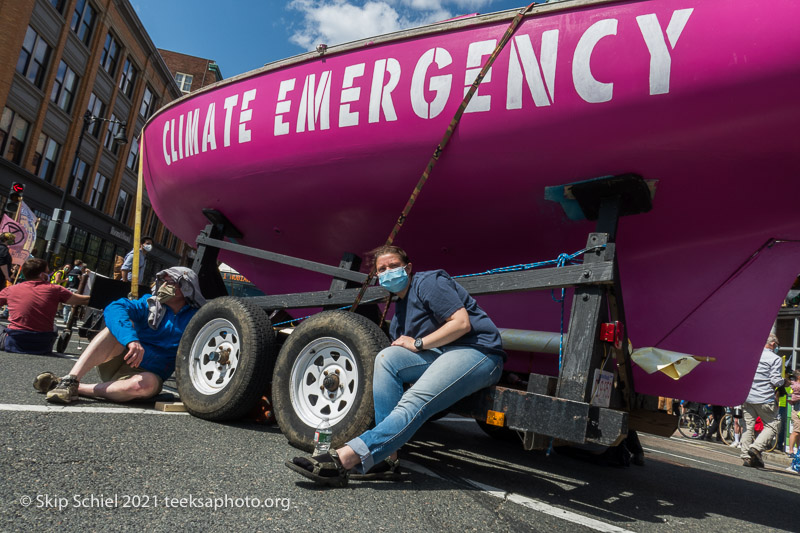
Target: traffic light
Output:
[(14, 198)]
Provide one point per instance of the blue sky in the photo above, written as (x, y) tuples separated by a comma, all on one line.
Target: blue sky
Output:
[(242, 35)]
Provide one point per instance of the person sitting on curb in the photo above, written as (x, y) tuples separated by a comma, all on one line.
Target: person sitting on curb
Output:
[(761, 402), (32, 308), (136, 352)]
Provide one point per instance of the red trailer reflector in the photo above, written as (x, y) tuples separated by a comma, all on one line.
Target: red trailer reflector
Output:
[(612, 332)]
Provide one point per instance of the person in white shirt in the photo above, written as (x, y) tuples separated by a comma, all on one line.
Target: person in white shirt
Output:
[(761, 402)]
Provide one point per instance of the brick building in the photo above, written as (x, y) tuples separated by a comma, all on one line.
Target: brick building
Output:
[(190, 72), (62, 58)]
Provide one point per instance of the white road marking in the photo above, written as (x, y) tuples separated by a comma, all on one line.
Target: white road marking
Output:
[(83, 409), (420, 469), (678, 456), (538, 505)]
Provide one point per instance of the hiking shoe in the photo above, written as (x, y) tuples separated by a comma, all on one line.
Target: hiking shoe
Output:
[(746, 462), (65, 392), (45, 382), (755, 457)]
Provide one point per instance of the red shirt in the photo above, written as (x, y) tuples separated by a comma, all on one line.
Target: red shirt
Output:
[(32, 305)]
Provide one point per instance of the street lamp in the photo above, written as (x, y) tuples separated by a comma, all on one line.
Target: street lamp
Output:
[(119, 139)]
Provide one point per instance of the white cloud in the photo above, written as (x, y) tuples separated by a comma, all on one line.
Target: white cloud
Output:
[(340, 21)]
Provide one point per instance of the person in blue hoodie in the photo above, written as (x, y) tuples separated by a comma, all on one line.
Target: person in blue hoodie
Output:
[(136, 350)]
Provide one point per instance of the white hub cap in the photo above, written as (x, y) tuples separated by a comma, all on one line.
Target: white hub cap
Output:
[(215, 356), (324, 381)]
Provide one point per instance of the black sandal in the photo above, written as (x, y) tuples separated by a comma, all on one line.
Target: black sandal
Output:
[(387, 470), (323, 469)]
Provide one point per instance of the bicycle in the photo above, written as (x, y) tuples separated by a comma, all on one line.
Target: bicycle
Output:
[(692, 423), (726, 432)]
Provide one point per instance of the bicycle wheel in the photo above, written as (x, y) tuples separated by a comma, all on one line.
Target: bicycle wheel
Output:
[(773, 443), (692, 426), (726, 429)]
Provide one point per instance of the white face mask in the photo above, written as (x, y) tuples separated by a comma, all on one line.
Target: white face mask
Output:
[(147, 247)]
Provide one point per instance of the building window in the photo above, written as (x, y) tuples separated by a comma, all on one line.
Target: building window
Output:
[(98, 109), (99, 190), (111, 132), (148, 103), (133, 156), (152, 227), (64, 87), (128, 79), (58, 5), (13, 135), (110, 56), (123, 207), (166, 235), (184, 81), (33, 57), (83, 20), (46, 158), (81, 175)]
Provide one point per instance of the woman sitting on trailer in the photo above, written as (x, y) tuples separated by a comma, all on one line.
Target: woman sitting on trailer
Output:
[(443, 343)]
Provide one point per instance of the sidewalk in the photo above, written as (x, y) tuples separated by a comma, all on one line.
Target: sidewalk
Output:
[(775, 458)]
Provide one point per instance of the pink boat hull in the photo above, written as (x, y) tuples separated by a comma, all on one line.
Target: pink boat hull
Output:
[(699, 95)]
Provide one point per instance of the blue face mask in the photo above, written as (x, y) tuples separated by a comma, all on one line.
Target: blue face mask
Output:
[(394, 280)]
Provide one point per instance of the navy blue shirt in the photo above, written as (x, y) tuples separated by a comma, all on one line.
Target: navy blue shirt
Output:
[(432, 298)]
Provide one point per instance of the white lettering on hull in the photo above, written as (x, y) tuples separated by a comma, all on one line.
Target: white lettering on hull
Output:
[(440, 85), (660, 59), (530, 71), (380, 95), (587, 86), (523, 60), (315, 104)]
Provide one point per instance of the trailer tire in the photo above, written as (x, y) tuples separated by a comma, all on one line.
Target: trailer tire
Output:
[(344, 345), (225, 359)]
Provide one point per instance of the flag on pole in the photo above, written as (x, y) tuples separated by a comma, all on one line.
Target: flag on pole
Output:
[(24, 232)]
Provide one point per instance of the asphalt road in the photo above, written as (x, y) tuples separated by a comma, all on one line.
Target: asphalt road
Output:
[(100, 466)]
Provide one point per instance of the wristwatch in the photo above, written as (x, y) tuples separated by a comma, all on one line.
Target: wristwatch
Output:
[(418, 344)]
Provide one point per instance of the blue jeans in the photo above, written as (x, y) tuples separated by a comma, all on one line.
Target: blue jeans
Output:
[(441, 377)]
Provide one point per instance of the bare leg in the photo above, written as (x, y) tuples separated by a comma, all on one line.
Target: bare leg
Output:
[(142, 385), (102, 348)]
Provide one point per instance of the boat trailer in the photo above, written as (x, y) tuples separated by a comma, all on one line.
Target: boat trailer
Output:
[(592, 400)]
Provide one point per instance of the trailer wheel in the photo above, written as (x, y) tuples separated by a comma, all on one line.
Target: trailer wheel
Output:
[(225, 359), (324, 370)]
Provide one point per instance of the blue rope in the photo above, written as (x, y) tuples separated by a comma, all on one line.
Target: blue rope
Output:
[(560, 261)]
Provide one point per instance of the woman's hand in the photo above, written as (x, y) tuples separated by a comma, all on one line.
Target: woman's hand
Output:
[(406, 342), (454, 328)]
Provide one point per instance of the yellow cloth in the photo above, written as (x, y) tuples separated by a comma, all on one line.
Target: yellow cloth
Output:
[(674, 364)]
